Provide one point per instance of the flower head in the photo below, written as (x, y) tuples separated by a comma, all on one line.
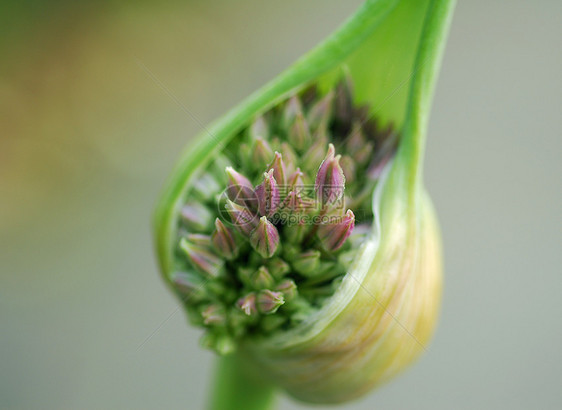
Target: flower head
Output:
[(280, 225), (306, 225)]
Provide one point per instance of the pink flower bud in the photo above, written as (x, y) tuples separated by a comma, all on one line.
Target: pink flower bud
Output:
[(268, 195), (333, 235), (239, 189), (330, 180), (268, 301), (242, 218), (278, 167), (223, 240), (265, 238), (247, 304), (202, 259)]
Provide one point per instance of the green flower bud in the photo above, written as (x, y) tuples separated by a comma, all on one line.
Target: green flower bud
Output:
[(299, 134), (262, 153), (307, 262), (278, 267), (262, 279)]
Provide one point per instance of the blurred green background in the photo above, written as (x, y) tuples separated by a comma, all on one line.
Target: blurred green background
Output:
[(88, 136)]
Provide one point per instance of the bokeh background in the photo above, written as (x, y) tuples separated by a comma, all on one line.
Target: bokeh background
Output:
[(88, 136)]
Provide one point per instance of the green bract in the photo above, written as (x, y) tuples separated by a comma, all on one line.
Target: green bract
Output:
[(242, 270)]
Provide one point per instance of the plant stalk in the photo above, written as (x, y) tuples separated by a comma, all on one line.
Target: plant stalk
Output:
[(237, 387)]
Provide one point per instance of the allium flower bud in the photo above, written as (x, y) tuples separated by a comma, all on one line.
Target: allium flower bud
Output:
[(247, 304), (288, 288), (269, 301), (292, 109), (202, 259), (259, 129), (243, 218), (262, 279), (262, 153), (290, 158), (283, 281), (240, 190), (278, 267), (214, 314), (333, 235), (190, 284), (267, 194), (296, 181), (265, 238), (195, 216), (330, 180), (278, 168), (223, 240), (299, 134), (307, 262)]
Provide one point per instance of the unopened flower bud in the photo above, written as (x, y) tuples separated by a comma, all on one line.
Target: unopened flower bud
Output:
[(292, 109), (343, 111), (265, 238), (199, 239), (278, 167), (206, 186), (268, 195), (247, 304), (278, 267), (259, 128), (196, 216), (269, 302), (261, 154), (330, 180), (262, 279), (290, 158), (223, 240), (288, 288), (349, 169), (333, 235), (202, 259), (214, 315), (296, 181), (240, 190), (307, 262), (314, 156), (299, 134), (293, 203), (190, 285), (242, 218)]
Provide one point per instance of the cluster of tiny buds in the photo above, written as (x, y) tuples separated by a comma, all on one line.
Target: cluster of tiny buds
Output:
[(264, 245)]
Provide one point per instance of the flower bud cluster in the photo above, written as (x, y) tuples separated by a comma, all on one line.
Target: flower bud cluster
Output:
[(266, 230)]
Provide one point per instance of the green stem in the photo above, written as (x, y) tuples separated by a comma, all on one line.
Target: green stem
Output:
[(426, 70), (236, 387)]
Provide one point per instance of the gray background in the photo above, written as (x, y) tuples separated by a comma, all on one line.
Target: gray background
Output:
[(87, 139)]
